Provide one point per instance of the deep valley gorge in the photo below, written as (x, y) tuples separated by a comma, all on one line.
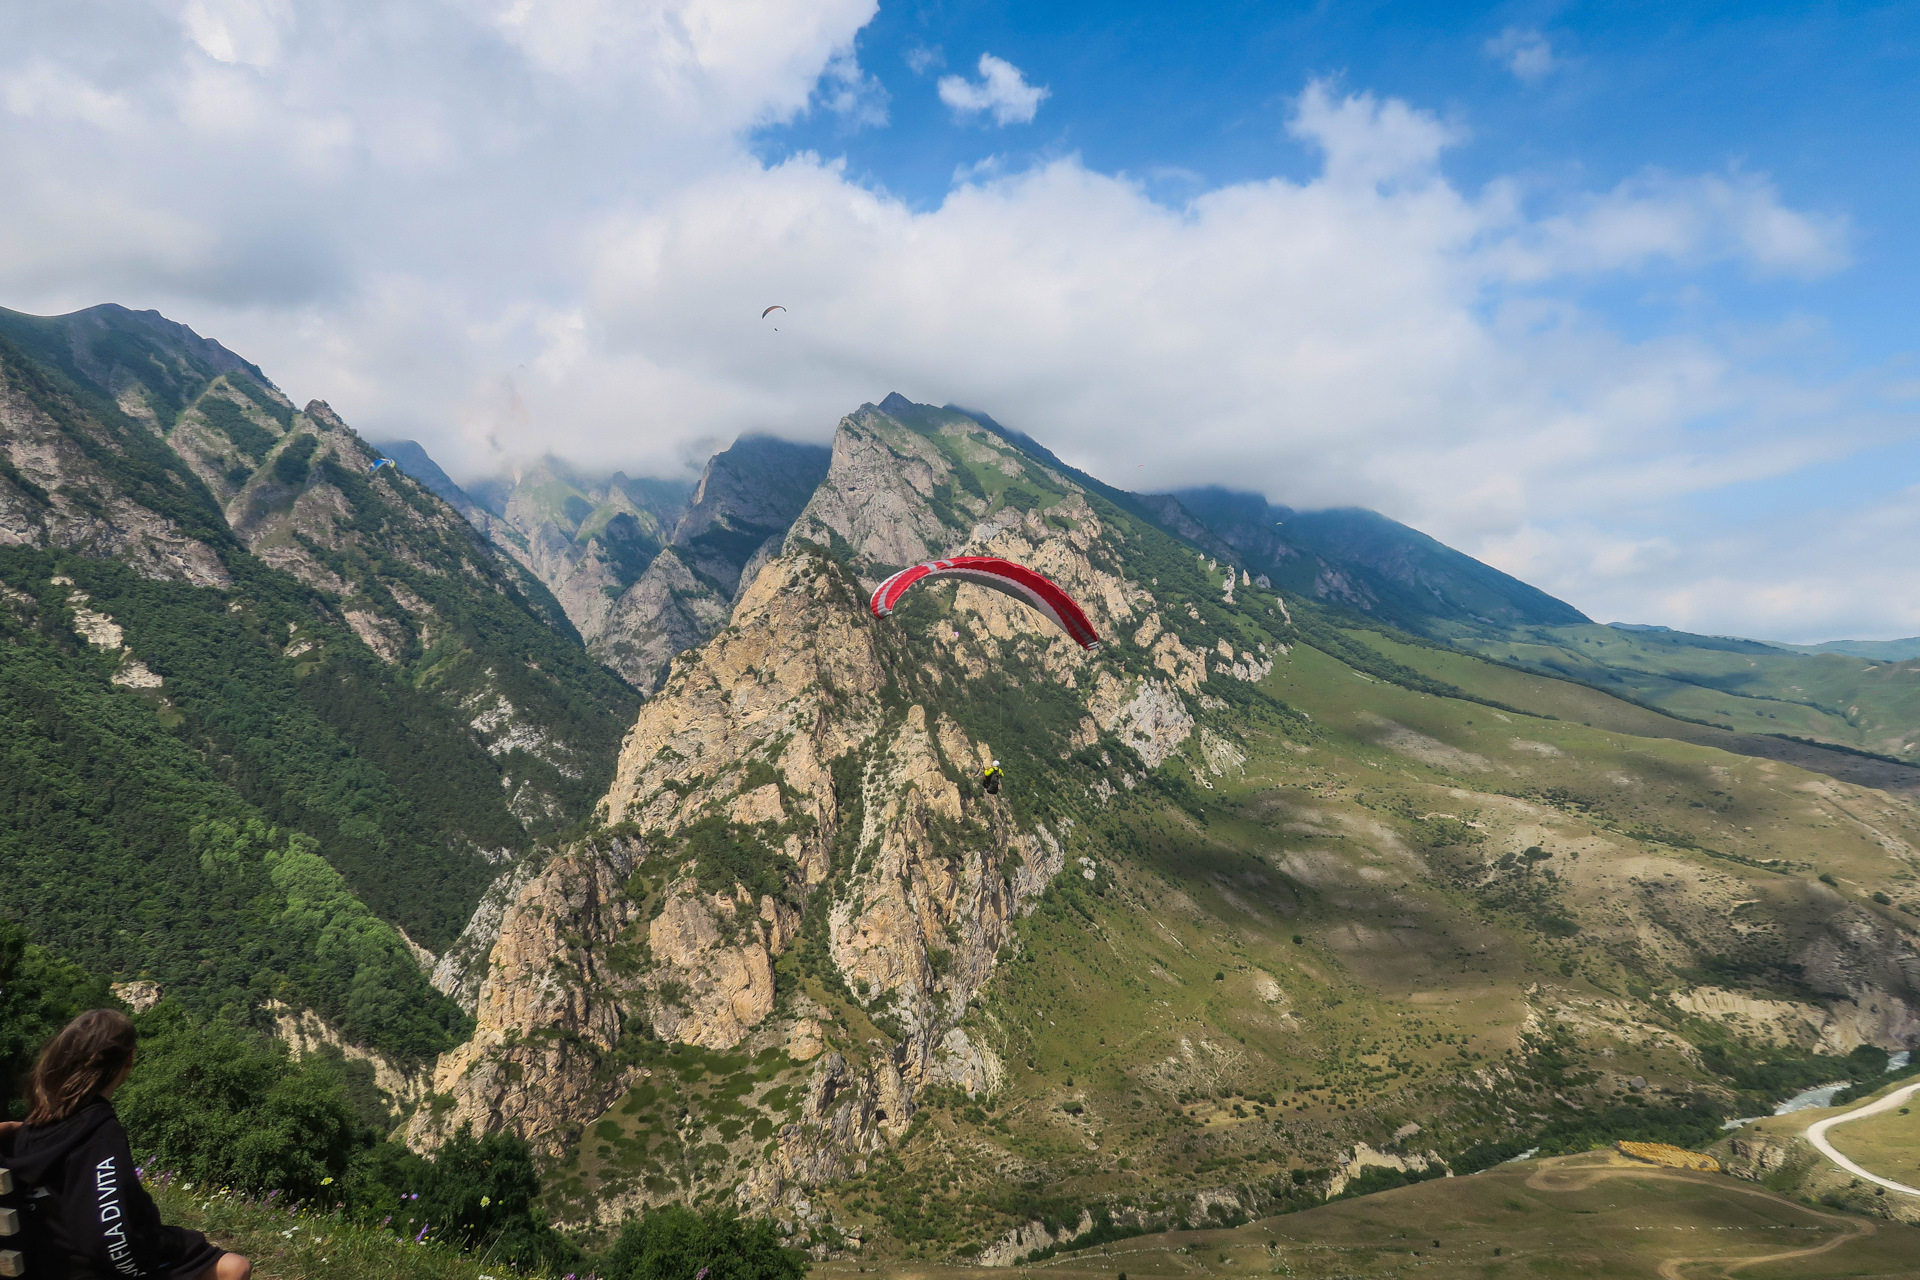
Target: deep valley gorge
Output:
[(601, 811)]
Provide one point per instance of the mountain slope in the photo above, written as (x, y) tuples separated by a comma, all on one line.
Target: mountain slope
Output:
[(644, 568), (1878, 650), (1746, 685), (261, 700), (1361, 560), (747, 496), (588, 540), (1268, 903)]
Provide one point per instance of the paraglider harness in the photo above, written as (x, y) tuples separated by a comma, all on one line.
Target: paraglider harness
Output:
[(990, 778)]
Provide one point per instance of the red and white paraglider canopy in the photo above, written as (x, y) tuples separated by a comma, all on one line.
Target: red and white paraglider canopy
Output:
[(1004, 576)]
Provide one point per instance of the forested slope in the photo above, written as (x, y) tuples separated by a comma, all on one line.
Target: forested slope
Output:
[(261, 705)]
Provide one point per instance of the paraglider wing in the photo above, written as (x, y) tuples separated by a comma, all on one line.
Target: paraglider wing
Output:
[(770, 310), (379, 463), (1004, 576)]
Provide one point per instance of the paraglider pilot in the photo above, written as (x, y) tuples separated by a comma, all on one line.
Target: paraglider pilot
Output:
[(990, 778)]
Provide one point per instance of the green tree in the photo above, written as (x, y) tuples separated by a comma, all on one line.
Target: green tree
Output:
[(477, 1193), (218, 1105), (39, 994), (675, 1243)]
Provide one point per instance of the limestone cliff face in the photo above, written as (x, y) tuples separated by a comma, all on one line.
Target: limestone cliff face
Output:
[(586, 538), (67, 483), (549, 1005), (747, 497), (796, 781), (644, 570)]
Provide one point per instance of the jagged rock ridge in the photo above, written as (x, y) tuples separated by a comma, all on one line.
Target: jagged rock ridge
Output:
[(801, 891)]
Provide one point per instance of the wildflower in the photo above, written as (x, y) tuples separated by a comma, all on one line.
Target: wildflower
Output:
[(423, 1234), (326, 1182), (485, 1201)]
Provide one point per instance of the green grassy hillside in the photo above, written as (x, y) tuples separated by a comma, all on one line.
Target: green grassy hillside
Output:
[(1744, 685), (1386, 909), (1579, 1216)]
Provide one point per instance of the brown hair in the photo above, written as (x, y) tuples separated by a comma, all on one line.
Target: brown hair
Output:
[(85, 1057)]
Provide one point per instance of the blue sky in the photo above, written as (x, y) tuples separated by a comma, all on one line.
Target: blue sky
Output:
[(1825, 99), (1617, 298)]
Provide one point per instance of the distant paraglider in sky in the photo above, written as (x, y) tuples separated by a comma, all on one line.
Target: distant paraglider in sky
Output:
[(1004, 576), (379, 463), (770, 310)]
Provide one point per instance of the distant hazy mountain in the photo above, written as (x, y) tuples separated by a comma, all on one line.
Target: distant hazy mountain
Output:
[(645, 568), (1879, 650), (412, 459), (1361, 560)]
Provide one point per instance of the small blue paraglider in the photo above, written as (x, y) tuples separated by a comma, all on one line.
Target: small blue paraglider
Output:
[(379, 463)]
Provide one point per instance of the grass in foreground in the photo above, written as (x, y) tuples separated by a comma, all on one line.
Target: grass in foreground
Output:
[(289, 1242)]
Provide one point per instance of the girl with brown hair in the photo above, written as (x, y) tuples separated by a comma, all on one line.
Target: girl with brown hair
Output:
[(87, 1197)]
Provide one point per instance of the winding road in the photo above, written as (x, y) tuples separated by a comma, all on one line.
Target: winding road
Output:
[(1817, 1135)]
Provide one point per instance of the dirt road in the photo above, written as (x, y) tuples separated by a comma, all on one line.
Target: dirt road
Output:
[(1817, 1135)]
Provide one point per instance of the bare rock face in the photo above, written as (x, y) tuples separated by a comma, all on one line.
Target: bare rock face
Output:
[(643, 571), (56, 494), (667, 612), (550, 1002), (796, 776), (747, 497), (305, 1032), (879, 498)]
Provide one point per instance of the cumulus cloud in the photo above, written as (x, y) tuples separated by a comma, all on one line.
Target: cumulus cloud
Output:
[(1524, 51), (507, 225), (1001, 91)]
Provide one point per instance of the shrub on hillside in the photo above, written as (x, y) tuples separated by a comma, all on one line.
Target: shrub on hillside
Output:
[(222, 1107), (675, 1243), (476, 1194)]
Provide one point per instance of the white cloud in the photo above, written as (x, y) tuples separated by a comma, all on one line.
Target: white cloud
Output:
[(1525, 52), (1691, 221), (921, 58), (850, 93), (506, 226), (1002, 91)]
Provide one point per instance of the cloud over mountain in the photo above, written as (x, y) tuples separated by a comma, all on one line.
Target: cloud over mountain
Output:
[(493, 226)]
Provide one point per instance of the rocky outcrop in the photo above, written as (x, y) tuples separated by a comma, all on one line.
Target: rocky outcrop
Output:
[(305, 1032), (1365, 1157), (746, 499), (852, 809), (549, 1006), (643, 570), (1870, 964), (667, 612), (68, 482)]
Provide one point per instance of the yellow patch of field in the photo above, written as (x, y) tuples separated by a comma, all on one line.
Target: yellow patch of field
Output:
[(1671, 1157)]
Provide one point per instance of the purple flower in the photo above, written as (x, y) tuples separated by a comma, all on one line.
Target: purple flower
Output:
[(423, 1234), (702, 1275)]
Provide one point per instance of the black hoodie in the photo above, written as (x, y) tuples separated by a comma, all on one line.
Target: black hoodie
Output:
[(88, 1199)]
